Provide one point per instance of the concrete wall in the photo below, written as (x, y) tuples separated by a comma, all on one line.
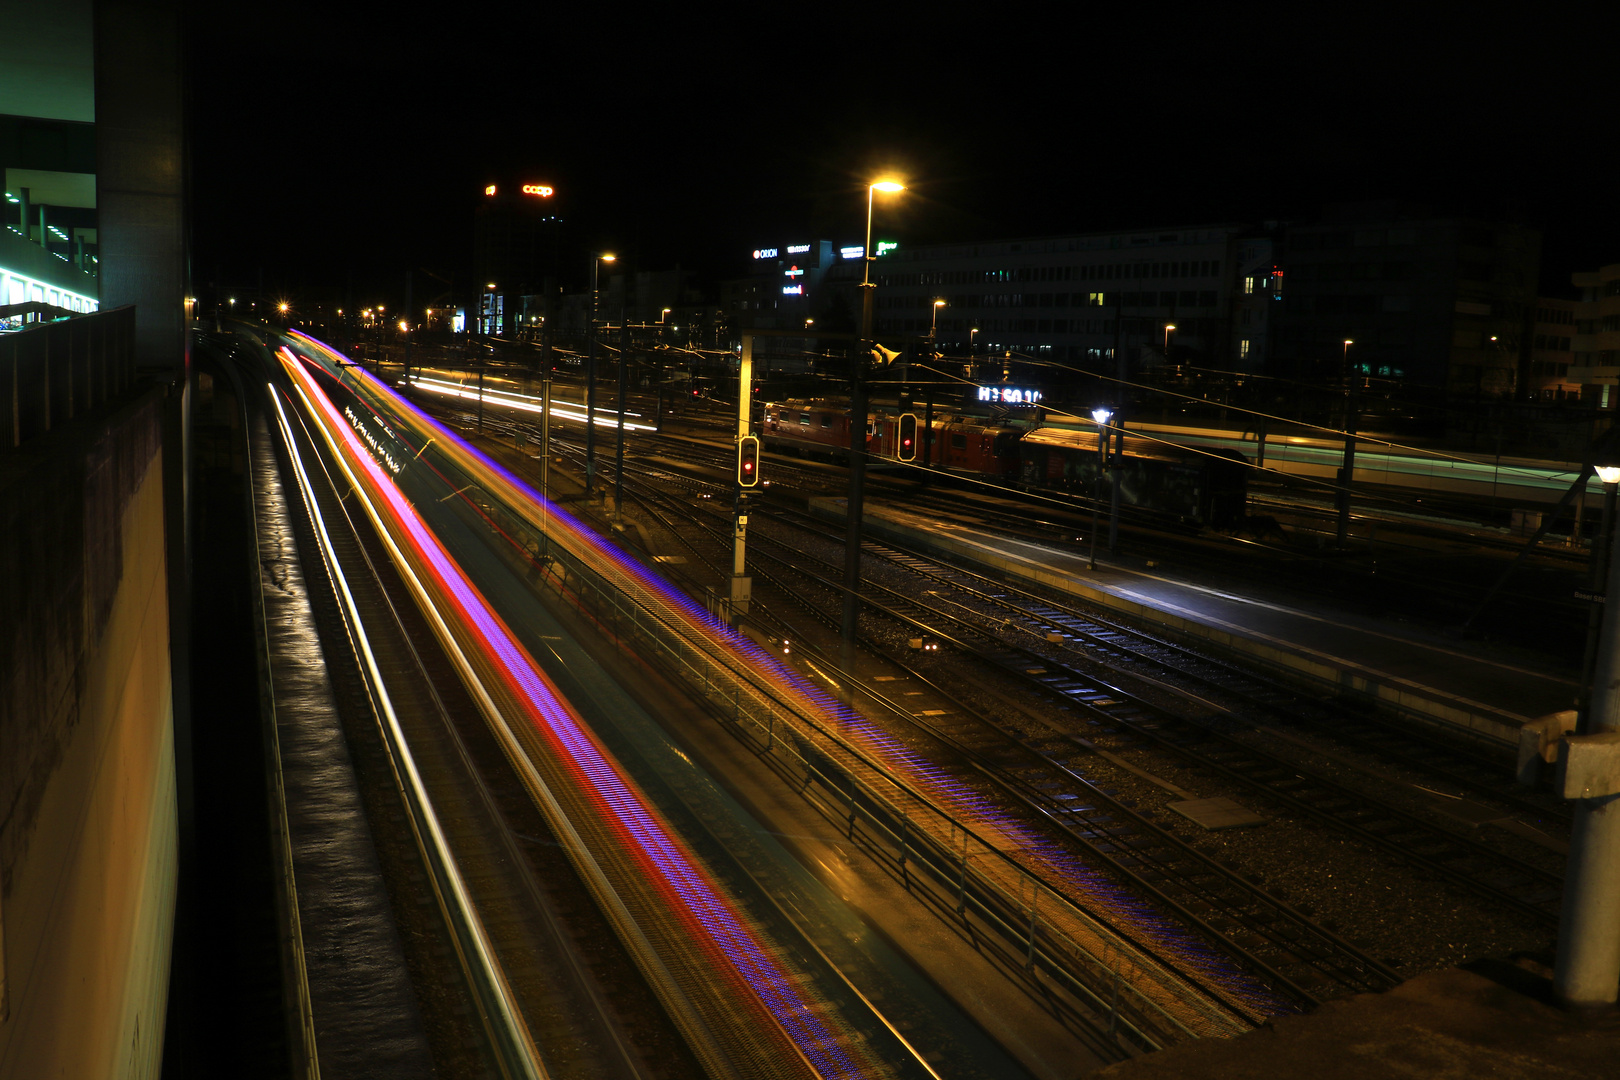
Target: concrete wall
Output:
[(87, 783)]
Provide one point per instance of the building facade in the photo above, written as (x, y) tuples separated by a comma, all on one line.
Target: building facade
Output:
[(1596, 342), (1438, 302), (1552, 352)]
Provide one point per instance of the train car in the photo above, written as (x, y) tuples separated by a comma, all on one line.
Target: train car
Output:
[(963, 444), (814, 428), (1190, 487)]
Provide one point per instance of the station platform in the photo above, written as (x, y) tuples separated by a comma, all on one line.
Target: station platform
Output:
[(1486, 692)]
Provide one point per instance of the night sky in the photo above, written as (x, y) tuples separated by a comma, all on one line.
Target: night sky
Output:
[(332, 145)]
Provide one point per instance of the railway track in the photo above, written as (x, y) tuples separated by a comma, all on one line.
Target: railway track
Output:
[(1036, 763), (582, 1003), (1264, 934), (1522, 886)]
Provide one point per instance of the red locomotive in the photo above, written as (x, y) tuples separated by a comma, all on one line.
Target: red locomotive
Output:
[(819, 428), (1166, 481)]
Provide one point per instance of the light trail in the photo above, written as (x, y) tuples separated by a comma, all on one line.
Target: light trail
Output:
[(1126, 912), (664, 859), (527, 403)]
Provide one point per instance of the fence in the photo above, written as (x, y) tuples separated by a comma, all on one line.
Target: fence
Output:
[(55, 371)]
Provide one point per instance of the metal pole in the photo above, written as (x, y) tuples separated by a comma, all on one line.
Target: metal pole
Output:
[(1113, 462), (480, 393), (1594, 620), (852, 541), (590, 386), (741, 584), (1352, 402), (928, 430), (1587, 970), (618, 451), (849, 624), (408, 310), (545, 434)]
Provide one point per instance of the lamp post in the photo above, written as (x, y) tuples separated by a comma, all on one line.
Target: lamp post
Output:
[(590, 377), (1168, 327), (1351, 401), (1100, 417), (857, 436)]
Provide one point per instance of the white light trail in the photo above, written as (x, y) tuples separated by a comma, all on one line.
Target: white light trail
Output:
[(523, 403)]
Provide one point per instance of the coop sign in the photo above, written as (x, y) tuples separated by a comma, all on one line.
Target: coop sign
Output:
[(1009, 395), (545, 191)]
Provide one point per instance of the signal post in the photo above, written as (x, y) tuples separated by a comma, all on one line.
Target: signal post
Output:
[(742, 586)]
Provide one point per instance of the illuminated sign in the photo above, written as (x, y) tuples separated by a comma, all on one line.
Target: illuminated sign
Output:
[(886, 246), (793, 271), (852, 252), (793, 290), (543, 190), (490, 190), (764, 253), (1008, 395), (798, 249)]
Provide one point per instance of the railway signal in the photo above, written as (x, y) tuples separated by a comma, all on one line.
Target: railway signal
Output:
[(748, 461), (906, 445)]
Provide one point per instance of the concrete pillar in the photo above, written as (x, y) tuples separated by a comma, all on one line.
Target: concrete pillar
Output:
[(1587, 971), (140, 174)]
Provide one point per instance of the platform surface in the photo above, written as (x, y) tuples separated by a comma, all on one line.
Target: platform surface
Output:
[(1467, 684)]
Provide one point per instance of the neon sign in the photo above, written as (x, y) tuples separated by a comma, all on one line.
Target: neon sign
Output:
[(886, 246), (1008, 395), (852, 252), (793, 271), (490, 190), (793, 290), (764, 253), (545, 191), (798, 249)]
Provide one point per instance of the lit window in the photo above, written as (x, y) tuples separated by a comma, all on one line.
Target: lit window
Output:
[(1243, 347)]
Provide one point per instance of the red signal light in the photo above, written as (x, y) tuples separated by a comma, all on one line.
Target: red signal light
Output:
[(907, 448), (748, 461)]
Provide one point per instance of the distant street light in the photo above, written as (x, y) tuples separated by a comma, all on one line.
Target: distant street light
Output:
[(1168, 327), (590, 376), (661, 315), (933, 323)]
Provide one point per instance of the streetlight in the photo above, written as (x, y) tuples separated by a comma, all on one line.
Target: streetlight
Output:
[(590, 376), (1168, 327), (1100, 417), (857, 436), (933, 323), (661, 315)]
